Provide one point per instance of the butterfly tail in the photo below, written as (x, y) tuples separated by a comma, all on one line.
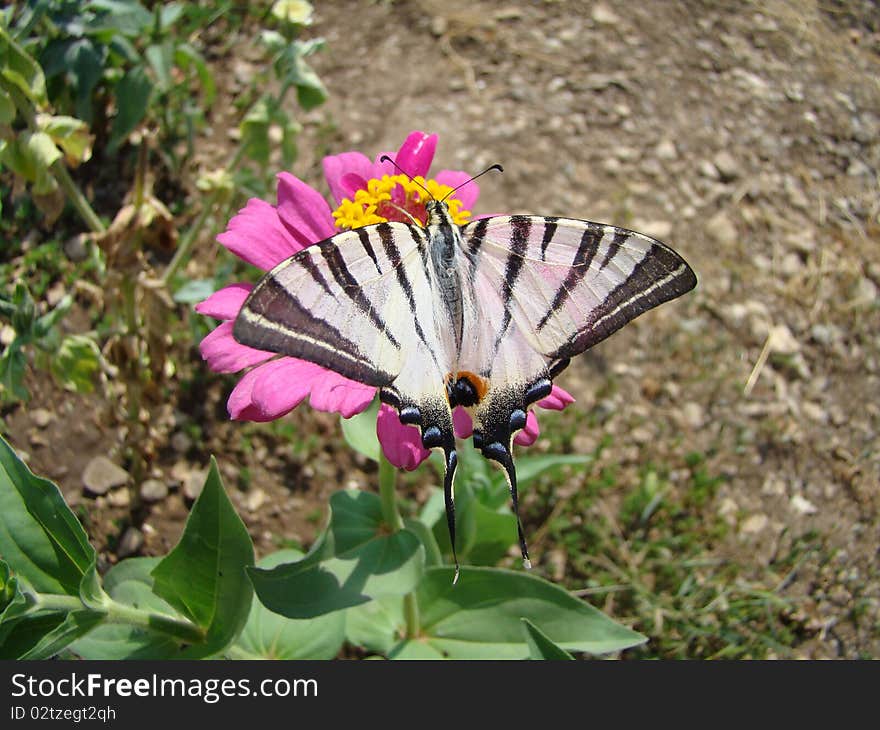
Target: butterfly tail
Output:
[(502, 454), (449, 496)]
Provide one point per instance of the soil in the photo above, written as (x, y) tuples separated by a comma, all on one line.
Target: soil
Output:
[(746, 135)]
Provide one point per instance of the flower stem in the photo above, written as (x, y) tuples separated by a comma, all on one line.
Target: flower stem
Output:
[(391, 516), (388, 494)]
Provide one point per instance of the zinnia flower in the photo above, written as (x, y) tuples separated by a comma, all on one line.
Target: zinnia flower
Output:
[(264, 235)]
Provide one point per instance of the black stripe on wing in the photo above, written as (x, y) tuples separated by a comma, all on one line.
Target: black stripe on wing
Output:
[(587, 249), (660, 276), (351, 286), (273, 319)]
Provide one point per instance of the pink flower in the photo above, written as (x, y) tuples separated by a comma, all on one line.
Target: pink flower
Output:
[(264, 235)]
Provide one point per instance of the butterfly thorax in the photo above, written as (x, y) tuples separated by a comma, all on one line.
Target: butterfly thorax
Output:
[(444, 243)]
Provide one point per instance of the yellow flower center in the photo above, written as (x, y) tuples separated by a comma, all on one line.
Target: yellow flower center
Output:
[(396, 198)]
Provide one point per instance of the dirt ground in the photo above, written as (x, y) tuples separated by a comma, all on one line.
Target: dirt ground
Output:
[(746, 135)]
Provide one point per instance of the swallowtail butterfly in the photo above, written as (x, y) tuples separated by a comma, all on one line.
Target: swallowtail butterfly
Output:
[(482, 315)]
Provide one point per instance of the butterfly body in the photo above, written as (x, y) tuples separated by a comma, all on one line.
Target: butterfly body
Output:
[(481, 316)]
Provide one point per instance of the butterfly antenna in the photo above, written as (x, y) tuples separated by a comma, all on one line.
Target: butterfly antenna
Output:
[(496, 166), (386, 158)]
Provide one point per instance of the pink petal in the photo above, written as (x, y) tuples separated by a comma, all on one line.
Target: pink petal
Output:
[(352, 182), (416, 153), (402, 445), (468, 194), (333, 393), (282, 385), (382, 168), (557, 400), (303, 211), (225, 303), (338, 168), (240, 404), (462, 423), (225, 355), (530, 433), (256, 236)]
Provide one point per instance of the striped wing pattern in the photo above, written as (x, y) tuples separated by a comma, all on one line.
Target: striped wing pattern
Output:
[(381, 305)]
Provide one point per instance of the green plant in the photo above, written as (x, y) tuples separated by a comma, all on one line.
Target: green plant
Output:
[(73, 360), (372, 580)]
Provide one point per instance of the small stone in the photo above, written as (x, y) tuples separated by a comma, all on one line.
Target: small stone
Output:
[(76, 248), (154, 490), (754, 523), (119, 498), (7, 335), (825, 334), (41, 417), (814, 412), (783, 341), (791, 264), (727, 166), (803, 506), (773, 487), (101, 475), (727, 510), (255, 499), (439, 26), (693, 414), (193, 484), (181, 442), (603, 15), (55, 294), (130, 543), (707, 170), (721, 229), (665, 150), (655, 229)]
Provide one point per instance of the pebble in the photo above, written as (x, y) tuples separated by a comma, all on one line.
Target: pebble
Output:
[(255, 499), (803, 506), (655, 229), (181, 442), (754, 523), (119, 498), (130, 543), (101, 475), (665, 150), (727, 166), (76, 248), (193, 484), (721, 229), (153, 490), (603, 15), (41, 417), (783, 341), (693, 414)]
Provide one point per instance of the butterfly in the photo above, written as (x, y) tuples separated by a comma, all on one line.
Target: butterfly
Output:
[(482, 316)]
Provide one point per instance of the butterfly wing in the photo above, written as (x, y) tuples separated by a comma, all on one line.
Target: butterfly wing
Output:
[(362, 304), (547, 289)]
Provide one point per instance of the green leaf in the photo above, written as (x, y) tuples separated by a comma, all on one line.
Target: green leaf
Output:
[(360, 431), (132, 98), (12, 367), (120, 16), (21, 70), (377, 625), (40, 538), (540, 647), (42, 149), (270, 636), (53, 632), (85, 66), (195, 290), (76, 363), (203, 577), (71, 134), (479, 617), (129, 583), (255, 132), (354, 561), (185, 55), (161, 60), (7, 107)]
